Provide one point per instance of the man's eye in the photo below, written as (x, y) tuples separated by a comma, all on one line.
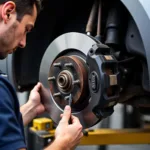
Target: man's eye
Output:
[(27, 30)]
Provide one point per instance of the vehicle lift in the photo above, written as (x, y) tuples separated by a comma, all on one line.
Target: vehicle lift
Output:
[(44, 131)]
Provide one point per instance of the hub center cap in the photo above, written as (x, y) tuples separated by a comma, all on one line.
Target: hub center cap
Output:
[(65, 81)]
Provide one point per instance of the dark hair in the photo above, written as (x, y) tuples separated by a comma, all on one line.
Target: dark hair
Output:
[(24, 7)]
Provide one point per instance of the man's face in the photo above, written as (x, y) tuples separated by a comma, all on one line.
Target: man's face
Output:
[(12, 32)]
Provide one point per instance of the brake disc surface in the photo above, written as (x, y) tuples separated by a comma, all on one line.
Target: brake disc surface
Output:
[(63, 71)]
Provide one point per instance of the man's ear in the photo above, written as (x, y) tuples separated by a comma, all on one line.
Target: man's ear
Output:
[(7, 10)]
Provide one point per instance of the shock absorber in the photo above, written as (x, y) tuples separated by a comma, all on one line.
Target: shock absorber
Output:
[(112, 26)]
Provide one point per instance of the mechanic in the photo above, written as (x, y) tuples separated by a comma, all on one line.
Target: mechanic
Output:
[(17, 18)]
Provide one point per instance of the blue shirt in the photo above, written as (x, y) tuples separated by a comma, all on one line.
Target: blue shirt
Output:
[(11, 125)]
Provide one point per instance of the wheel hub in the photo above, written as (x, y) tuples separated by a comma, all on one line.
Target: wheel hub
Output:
[(68, 75)]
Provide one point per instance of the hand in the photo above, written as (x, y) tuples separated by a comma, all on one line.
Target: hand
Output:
[(35, 99), (33, 107), (69, 134)]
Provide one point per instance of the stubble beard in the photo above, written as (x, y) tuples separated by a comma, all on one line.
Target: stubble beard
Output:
[(6, 40)]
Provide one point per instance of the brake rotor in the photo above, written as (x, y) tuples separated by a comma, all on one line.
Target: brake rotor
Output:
[(63, 71)]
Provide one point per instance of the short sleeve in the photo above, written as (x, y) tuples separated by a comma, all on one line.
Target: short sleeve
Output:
[(11, 136)]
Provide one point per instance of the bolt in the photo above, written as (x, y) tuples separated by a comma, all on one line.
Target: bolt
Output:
[(68, 65), (57, 64), (76, 82), (66, 98), (56, 94), (51, 78)]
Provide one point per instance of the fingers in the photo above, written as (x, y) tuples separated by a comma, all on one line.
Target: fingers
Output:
[(78, 139), (75, 120), (37, 87), (66, 114), (81, 135), (61, 115)]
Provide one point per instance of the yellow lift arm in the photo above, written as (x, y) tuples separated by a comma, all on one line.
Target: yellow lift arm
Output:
[(43, 127)]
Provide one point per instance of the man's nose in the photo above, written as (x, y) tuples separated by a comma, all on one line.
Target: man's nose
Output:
[(22, 43)]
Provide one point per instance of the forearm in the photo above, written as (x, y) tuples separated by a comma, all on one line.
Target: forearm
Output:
[(28, 113)]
